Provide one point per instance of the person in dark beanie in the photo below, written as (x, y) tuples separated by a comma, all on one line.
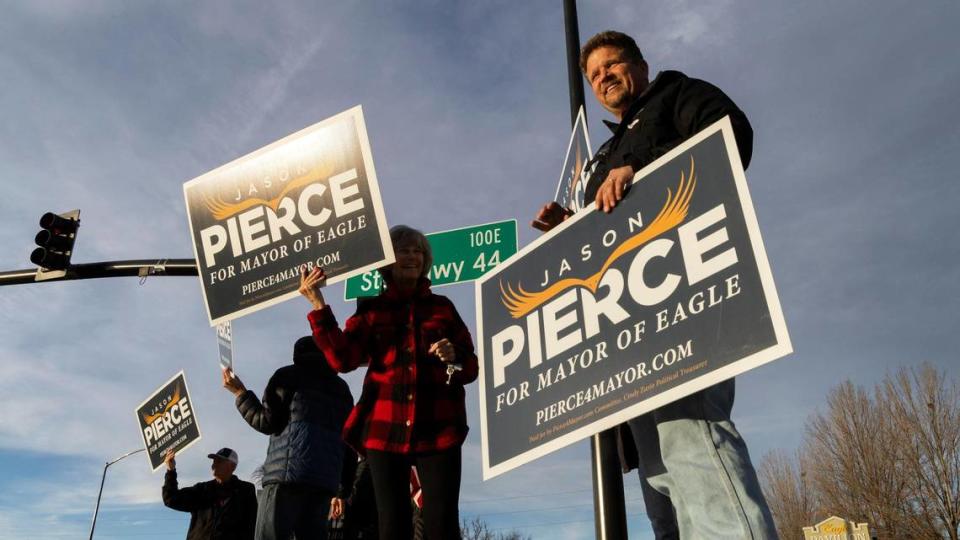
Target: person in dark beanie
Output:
[(224, 508), (303, 410)]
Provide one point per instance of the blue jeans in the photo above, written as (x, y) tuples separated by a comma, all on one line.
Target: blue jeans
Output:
[(663, 519), (691, 452)]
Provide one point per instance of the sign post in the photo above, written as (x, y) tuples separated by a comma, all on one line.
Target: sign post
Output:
[(609, 505)]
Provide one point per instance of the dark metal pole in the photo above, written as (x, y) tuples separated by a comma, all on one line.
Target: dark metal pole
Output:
[(609, 507), (97, 509), (574, 78), (141, 268), (102, 480)]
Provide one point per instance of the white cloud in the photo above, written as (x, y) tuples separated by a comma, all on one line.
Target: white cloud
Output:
[(272, 89)]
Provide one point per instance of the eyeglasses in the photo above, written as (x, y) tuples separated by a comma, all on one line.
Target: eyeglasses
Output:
[(605, 68)]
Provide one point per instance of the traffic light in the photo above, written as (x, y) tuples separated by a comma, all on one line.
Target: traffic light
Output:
[(59, 232)]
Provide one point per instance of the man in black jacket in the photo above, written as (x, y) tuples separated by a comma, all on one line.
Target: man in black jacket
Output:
[(303, 410), (689, 450), (224, 508)]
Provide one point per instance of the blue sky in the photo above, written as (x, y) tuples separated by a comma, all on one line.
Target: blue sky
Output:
[(110, 106)]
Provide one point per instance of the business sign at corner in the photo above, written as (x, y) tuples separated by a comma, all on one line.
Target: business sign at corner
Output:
[(609, 316), (459, 255), (309, 199), (167, 420), (835, 528)]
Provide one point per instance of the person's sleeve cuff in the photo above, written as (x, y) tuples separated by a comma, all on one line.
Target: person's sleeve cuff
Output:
[(322, 319)]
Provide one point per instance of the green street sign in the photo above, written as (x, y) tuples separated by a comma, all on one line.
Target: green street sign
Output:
[(458, 255)]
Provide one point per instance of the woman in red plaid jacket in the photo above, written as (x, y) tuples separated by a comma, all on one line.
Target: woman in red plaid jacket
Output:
[(419, 355)]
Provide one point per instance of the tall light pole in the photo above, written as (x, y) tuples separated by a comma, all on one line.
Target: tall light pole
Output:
[(609, 508), (102, 480)]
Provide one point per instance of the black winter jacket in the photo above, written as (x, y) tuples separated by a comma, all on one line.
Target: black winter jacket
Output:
[(303, 410), (672, 109), (217, 512)]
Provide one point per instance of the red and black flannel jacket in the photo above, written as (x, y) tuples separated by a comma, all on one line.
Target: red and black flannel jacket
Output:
[(406, 405)]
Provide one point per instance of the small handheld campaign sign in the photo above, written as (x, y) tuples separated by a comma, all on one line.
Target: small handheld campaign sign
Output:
[(167, 420), (225, 344)]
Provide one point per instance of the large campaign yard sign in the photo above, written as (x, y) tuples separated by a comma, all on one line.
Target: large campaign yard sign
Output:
[(167, 420), (309, 199), (612, 315)]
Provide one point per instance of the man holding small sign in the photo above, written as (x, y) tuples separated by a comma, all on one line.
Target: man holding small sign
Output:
[(220, 509), (689, 450)]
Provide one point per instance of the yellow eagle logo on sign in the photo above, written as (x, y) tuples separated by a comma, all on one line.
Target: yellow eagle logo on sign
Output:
[(149, 418), (221, 209), (519, 302)]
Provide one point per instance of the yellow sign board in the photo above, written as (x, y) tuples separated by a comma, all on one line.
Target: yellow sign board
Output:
[(834, 528)]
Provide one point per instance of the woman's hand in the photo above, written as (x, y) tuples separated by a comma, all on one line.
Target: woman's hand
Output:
[(310, 285), (443, 350), (232, 383), (336, 508), (168, 459)]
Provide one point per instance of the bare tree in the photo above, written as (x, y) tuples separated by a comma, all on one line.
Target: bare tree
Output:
[(477, 529), (890, 458), (925, 409), (792, 501), (855, 466)]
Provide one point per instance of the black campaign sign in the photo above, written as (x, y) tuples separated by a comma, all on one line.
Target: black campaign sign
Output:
[(167, 420), (309, 199), (612, 315)]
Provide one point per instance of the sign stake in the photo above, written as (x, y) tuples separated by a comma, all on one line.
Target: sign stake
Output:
[(609, 507)]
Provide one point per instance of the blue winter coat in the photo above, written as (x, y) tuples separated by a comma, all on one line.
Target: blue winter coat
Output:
[(303, 410)]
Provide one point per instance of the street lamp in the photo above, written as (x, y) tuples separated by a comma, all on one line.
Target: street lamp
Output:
[(102, 480)]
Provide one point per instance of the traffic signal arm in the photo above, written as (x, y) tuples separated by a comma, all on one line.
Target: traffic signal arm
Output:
[(138, 268)]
